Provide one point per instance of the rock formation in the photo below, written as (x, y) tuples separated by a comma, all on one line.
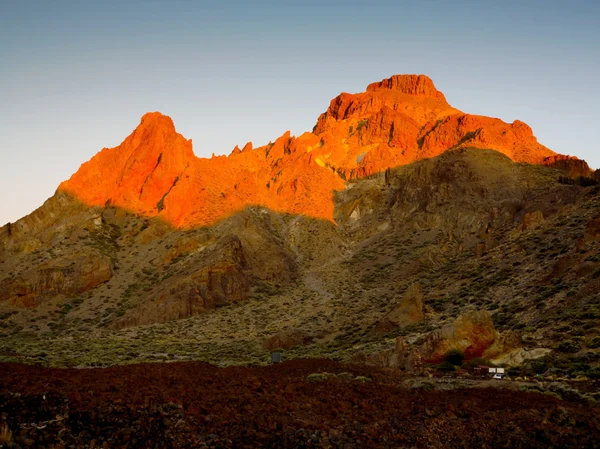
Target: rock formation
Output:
[(409, 311), (68, 276), (287, 339), (471, 333), (570, 165)]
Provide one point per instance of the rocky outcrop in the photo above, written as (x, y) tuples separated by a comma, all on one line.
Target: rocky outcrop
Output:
[(222, 278), (139, 174), (69, 276), (409, 311), (572, 166), (504, 343), (401, 356), (516, 140), (471, 333), (409, 84), (518, 356), (532, 219)]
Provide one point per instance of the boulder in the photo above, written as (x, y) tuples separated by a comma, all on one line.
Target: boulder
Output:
[(401, 356), (287, 339)]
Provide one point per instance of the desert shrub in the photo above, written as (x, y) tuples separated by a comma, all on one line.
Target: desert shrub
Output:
[(565, 391), (538, 366), (455, 357), (594, 342), (559, 391), (514, 371), (583, 181), (530, 388), (477, 361), (593, 373), (446, 367), (362, 379), (361, 124), (569, 346), (501, 318), (423, 385), (317, 377)]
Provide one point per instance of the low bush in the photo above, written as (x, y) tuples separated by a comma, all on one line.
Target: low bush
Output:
[(455, 357), (423, 385), (594, 342), (446, 367), (569, 346), (362, 379), (477, 361)]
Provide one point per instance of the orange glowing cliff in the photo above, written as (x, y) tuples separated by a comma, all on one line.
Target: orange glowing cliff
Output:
[(395, 122)]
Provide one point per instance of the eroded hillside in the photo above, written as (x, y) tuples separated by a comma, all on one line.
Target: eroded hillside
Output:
[(468, 249)]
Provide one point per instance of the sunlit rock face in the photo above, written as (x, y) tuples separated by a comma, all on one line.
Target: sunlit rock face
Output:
[(395, 122)]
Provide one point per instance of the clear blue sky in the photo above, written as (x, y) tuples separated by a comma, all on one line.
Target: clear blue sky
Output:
[(76, 76)]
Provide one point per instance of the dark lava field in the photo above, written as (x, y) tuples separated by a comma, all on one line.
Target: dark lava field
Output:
[(290, 405)]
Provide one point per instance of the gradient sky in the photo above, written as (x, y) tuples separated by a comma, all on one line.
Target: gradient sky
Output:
[(76, 76)]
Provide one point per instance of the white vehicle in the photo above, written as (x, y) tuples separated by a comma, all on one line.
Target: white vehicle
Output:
[(498, 376)]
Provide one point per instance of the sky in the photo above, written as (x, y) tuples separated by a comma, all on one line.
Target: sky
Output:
[(76, 76)]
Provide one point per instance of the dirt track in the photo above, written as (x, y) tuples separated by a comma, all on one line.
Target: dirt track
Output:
[(198, 405)]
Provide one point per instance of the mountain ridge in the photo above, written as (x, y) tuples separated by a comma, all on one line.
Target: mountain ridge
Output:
[(394, 122)]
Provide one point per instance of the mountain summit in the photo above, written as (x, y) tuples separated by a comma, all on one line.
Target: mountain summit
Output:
[(397, 121)]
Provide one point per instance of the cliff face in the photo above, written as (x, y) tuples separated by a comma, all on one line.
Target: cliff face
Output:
[(395, 122)]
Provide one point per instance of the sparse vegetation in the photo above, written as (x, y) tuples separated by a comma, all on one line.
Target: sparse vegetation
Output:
[(569, 346), (361, 124)]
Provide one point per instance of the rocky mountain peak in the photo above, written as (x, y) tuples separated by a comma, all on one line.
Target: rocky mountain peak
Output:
[(136, 174), (408, 84), (395, 122)]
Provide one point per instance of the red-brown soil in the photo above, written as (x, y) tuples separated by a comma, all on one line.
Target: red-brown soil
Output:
[(198, 405)]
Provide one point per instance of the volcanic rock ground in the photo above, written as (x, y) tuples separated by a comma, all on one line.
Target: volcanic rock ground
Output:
[(182, 405)]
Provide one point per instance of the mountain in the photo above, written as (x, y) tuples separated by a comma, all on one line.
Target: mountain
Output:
[(396, 230)]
